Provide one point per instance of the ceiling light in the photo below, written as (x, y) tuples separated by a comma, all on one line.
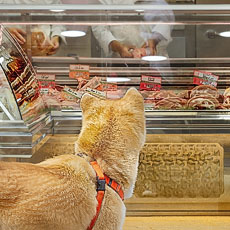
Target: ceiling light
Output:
[(117, 79), (154, 58), (57, 10), (1, 60), (225, 34), (139, 10), (73, 33)]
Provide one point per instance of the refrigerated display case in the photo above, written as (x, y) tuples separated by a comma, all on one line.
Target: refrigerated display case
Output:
[(184, 165), (23, 112)]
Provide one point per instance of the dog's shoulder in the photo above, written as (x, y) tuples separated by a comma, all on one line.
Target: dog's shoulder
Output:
[(70, 163)]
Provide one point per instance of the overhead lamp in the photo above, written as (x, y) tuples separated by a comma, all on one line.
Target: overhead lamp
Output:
[(1, 60), (73, 33), (117, 79), (225, 34), (212, 34), (154, 58), (57, 11), (139, 11)]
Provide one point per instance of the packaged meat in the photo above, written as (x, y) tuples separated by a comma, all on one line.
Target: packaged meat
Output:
[(139, 52), (93, 84)]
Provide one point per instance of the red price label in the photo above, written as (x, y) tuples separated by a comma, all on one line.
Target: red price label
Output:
[(205, 78), (149, 86), (45, 82), (150, 83)]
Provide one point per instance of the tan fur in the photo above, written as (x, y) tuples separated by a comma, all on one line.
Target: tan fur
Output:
[(60, 193)]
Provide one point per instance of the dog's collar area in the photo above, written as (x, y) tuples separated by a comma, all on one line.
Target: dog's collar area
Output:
[(102, 180)]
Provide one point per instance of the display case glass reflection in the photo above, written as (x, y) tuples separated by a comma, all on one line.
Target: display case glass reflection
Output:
[(21, 77)]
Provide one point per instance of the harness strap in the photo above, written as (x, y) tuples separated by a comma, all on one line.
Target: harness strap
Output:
[(100, 191), (115, 186), (101, 181)]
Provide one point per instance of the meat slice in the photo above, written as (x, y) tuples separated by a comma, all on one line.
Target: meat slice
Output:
[(204, 90), (203, 102), (159, 95), (171, 103), (185, 94)]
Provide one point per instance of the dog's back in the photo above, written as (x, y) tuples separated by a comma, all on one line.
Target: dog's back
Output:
[(51, 195)]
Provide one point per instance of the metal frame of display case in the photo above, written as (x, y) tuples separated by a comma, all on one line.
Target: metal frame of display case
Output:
[(17, 140)]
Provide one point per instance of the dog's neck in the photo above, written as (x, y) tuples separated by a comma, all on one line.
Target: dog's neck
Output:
[(116, 154)]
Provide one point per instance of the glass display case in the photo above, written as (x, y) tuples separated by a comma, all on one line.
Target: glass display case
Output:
[(174, 52), (23, 112)]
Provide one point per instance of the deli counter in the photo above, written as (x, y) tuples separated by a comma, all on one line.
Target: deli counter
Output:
[(184, 167)]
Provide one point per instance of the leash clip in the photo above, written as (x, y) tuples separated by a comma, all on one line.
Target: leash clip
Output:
[(101, 184)]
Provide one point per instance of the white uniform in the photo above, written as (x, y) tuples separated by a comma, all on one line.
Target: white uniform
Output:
[(49, 31), (134, 35)]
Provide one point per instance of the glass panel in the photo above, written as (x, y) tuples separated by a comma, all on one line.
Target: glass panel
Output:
[(115, 39), (21, 77), (186, 94), (8, 106)]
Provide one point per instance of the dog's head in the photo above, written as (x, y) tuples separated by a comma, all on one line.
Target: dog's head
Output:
[(120, 122)]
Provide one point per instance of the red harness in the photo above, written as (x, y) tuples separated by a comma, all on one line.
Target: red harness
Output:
[(103, 179)]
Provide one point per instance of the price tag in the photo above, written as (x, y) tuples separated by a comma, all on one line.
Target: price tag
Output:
[(96, 93), (149, 107), (150, 83), (156, 80), (45, 82), (104, 86), (72, 92), (205, 78), (79, 71)]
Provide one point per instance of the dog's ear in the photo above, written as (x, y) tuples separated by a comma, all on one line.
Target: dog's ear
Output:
[(86, 101), (134, 98)]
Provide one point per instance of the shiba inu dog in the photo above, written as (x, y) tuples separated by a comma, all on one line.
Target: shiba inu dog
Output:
[(60, 193)]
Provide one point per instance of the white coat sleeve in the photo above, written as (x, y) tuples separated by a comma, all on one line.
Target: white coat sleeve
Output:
[(104, 37), (164, 30)]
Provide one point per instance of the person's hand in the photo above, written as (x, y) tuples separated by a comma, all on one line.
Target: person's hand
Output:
[(18, 34), (54, 41), (46, 45), (151, 45), (123, 50), (126, 51)]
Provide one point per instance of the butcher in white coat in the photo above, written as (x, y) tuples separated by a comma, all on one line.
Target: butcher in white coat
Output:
[(120, 40)]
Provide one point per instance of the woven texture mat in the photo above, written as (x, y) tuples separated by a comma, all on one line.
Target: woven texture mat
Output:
[(180, 170)]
